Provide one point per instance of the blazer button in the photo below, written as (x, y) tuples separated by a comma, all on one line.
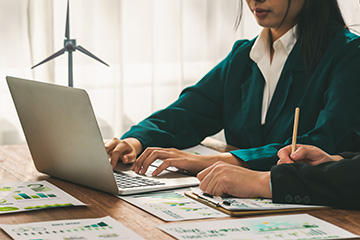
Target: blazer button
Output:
[(297, 199), (288, 198), (307, 199)]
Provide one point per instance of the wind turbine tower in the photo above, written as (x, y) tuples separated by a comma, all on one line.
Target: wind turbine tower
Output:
[(69, 46)]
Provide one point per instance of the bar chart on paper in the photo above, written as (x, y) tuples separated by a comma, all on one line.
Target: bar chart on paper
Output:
[(172, 205), (62, 228), (24, 196), (97, 228), (289, 227)]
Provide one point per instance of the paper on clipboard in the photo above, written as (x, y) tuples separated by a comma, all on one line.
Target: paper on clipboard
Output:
[(245, 206)]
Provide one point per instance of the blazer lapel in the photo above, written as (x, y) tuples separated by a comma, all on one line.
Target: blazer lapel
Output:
[(252, 92), (288, 76)]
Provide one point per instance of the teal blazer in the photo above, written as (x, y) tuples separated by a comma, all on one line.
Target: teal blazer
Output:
[(229, 97)]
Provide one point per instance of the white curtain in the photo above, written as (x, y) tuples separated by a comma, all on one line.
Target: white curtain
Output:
[(154, 48)]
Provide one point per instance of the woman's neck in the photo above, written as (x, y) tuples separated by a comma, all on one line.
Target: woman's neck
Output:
[(275, 34), (278, 32), (271, 42)]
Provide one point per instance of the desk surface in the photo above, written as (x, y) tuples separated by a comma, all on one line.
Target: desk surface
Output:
[(17, 166)]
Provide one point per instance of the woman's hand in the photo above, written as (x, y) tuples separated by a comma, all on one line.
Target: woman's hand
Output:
[(125, 150), (226, 179), (172, 157), (305, 153)]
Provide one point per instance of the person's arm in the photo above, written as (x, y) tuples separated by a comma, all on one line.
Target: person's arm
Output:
[(128, 149), (348, 154), (173, 157), (333, 183), (330, 183), (196, 114)]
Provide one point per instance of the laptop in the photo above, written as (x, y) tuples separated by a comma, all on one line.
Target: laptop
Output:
[(65, 142)]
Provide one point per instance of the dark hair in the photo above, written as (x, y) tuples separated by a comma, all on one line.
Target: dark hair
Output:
[(317, 21)]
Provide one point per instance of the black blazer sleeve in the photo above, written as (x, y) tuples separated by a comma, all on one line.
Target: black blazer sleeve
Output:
[(335, 184), (349, 154)]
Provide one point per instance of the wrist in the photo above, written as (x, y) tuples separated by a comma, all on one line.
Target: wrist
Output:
[(135, 143), (229, 158), (264, 188), (336, 157)]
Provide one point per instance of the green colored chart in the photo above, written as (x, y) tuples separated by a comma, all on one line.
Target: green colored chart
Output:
[(8, 209), (24, 196), (49, 206), (169, 195), (42, 231), (6, 189)]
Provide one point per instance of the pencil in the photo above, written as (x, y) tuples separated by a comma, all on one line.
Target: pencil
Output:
[(296, 122)]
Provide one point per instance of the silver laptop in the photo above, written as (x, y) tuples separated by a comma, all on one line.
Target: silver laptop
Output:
[(65, 141)]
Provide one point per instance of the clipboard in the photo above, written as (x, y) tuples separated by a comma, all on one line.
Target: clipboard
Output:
[(242, 212)]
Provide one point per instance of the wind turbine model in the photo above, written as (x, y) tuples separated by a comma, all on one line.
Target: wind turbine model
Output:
[(69, 46)]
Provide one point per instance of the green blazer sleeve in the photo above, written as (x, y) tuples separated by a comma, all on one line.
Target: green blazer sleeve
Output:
[(198, 112), (332, 183)]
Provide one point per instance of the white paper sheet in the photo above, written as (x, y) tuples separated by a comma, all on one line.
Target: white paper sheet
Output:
[(172, 205), (84, 229), (27, 196), (201, 150), (289, 227)]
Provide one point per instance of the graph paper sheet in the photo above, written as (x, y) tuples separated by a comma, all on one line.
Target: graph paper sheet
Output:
[(172, 205), (289, 227), (95, 228), (27, 196)]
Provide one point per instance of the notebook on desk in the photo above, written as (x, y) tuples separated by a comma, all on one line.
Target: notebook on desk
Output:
[(65, 141)]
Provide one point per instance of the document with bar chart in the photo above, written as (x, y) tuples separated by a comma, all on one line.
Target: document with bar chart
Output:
[(91, 228), (26, 196), (172, 205), (289, 227)]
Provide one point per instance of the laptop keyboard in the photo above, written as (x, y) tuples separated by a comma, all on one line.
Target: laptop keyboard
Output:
[(127, 181)]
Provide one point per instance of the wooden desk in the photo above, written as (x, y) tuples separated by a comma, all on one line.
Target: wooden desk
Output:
[(16, 166)]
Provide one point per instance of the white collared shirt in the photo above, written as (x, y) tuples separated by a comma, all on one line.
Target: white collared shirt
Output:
[(271, 70)]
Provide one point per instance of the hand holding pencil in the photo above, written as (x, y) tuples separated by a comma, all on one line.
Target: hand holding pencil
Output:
[(285, 154), (303, 153)]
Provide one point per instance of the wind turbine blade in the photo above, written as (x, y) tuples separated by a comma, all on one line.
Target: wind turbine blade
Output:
[(83, 50), (58, 53), (67, 27)]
